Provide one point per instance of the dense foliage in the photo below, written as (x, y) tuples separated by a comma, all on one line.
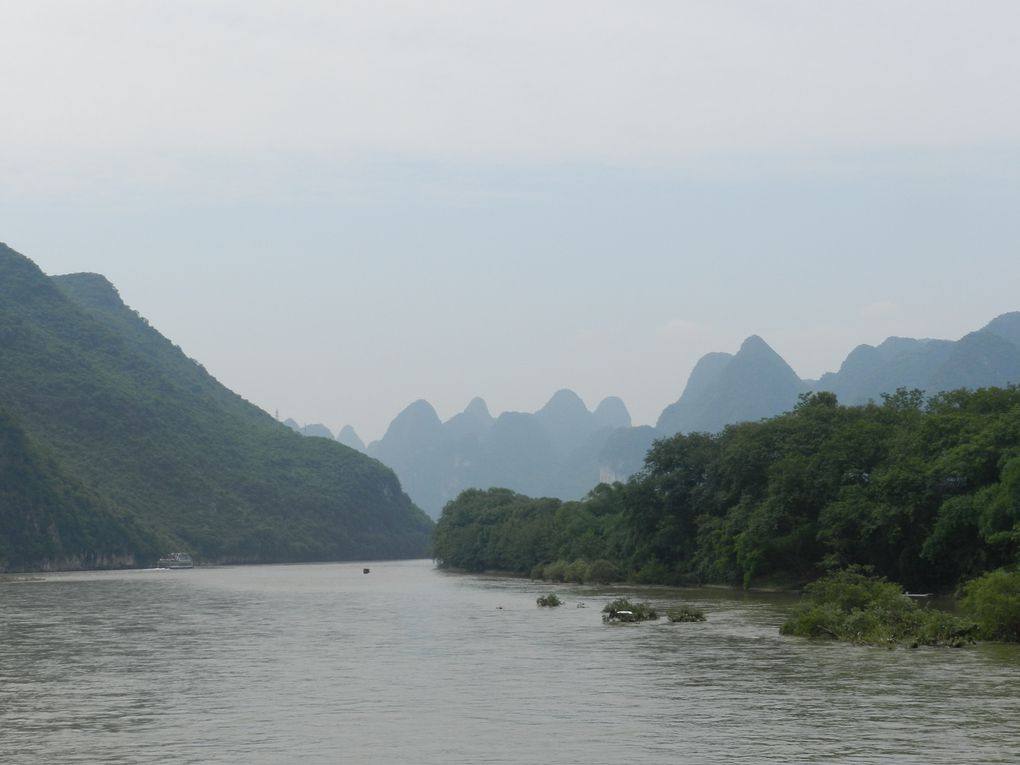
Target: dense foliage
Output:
[(168, 458), (46, 517), (850, 605), (925, 492), (500, 530), (994, 601)]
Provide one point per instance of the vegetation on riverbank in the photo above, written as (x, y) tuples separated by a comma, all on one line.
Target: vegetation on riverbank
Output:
[(923, 492), (852, 606), (994, 601), (927, 493)]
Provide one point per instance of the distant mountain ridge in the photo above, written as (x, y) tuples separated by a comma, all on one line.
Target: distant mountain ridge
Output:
[(757, 383), (564, 450), (754, 383), (118, 448)]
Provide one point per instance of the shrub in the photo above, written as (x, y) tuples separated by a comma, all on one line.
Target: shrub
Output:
[(850, 605), (604, 571), (852, 588), (555, 572), (578, 571), (622, 610), (685, 614), (549, 601), (537, 571), (651, 573), (994, 600)]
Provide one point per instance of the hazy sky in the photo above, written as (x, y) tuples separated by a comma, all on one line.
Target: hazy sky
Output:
[(341, 207)]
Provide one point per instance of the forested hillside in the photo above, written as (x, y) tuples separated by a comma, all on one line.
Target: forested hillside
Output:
[(152, 439), (48, 519), (926, 492)]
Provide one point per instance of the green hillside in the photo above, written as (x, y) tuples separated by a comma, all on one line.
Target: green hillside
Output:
[(153, 439), (48, 520)]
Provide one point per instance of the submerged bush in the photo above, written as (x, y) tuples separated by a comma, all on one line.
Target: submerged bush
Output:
[(622, 610), (549, 601), (850, 605), (685, 614), (994, 600)]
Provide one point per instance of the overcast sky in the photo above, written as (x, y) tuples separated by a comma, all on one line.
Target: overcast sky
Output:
[(341, 207)]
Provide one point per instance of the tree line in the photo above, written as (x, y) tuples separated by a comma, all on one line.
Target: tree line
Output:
[(924, 491)]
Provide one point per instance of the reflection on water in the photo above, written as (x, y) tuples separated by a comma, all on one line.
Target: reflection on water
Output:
[(322, 663)]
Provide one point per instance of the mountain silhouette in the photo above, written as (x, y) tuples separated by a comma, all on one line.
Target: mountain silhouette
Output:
[(751, 385)]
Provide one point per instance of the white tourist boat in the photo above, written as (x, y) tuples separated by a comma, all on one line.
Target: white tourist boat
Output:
[(176, 560)]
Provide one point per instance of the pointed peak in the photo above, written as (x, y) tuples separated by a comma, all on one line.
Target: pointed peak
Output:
[(612, 412), (317, 430), (413, 418), (564, 398), (755, 343), (349, 437), (417, 423), (478, 408), (755, 354), (419, 407), (474, 421), (610, 402)]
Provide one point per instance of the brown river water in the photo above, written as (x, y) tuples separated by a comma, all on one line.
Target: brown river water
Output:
[(324, 664)]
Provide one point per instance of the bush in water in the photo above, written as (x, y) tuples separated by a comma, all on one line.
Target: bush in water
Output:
[(850, 605), (685, 614), (622, 610), (994, 600)]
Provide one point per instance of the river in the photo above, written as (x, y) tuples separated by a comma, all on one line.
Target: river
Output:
[(407, 664)]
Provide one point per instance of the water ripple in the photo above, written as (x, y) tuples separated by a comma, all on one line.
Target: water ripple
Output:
[(321, 663)]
